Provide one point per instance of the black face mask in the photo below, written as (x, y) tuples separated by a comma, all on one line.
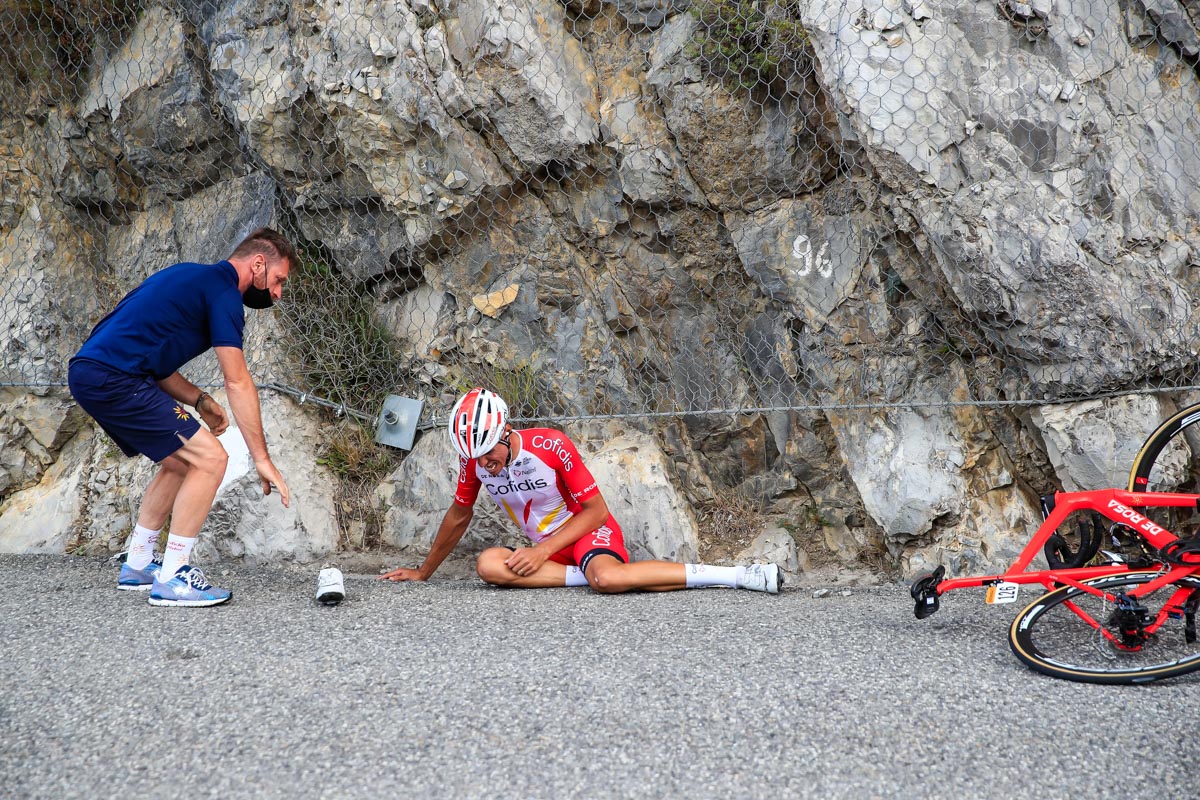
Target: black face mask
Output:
[(256, 298)]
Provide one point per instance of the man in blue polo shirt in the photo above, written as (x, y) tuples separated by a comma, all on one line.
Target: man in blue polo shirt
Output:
[(126, 377)]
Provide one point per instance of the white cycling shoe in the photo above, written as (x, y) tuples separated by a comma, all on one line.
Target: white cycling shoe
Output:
[(331, 588)]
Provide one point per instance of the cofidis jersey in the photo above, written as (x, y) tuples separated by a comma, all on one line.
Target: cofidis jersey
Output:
[(543, 487), (173, 316)]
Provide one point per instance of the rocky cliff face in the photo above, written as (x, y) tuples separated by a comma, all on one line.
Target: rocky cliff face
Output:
[(868, 261)]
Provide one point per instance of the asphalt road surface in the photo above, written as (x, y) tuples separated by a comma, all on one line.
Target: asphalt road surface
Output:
[(455, 689)]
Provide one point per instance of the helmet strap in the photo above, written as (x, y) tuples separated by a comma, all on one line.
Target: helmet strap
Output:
[(508, 458)]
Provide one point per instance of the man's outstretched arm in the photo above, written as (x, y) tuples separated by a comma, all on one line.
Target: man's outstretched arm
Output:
[(244, 402), (453, 526)]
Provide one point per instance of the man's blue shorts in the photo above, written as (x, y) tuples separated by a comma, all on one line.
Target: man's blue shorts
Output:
[(136, 414)]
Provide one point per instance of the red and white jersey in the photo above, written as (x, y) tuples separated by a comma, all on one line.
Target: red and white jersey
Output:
[(543, 487)]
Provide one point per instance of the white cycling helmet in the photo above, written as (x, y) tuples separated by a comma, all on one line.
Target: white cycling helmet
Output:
[(477, 422)]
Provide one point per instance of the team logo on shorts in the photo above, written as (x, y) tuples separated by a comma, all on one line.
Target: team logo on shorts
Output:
[(180, 413), (602, 536)]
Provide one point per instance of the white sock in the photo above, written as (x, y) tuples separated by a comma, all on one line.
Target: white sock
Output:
[(141, 547), (575, 577), (175, 555), (700, 575)]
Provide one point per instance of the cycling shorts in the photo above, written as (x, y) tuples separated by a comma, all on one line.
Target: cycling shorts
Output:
[(607, 540)]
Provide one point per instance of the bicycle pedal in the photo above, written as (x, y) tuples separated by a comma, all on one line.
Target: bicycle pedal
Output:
[(924, 592), (927, 607)]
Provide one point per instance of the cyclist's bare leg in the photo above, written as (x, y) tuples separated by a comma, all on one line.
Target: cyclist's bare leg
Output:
[(605, 574), (609, 575), (491, 567)]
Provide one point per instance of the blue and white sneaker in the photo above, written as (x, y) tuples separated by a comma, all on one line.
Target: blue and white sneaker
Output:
[(139, 580), (188, 587)]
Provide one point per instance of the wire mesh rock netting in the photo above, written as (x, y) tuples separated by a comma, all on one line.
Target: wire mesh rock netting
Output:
[(622, 207), (857, 262)]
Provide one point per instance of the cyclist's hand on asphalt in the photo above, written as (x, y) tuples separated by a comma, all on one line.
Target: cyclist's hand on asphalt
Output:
[(271, 478), (525, 561), (402, 574), (213, 415)]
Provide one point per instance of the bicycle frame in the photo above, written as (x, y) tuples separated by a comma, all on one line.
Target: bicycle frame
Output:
[(1116, 505), (1120, 603)]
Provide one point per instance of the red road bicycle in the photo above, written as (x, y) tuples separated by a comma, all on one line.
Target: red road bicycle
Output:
[(1123, 589)]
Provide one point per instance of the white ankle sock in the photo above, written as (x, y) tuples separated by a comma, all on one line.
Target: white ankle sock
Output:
[(141, 547), (175, 555), (700, 575), (575, 577)]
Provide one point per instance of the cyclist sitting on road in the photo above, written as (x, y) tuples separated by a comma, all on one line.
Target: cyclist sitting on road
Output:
[(537, 476)]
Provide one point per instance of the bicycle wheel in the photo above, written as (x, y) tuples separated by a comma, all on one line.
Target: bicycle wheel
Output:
[(1054, 637), (1165, 464)]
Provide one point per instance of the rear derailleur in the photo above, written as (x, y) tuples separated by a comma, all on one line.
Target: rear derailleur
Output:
[(1129, 621)]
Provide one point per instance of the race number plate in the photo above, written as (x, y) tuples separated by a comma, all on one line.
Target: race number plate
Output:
[(1003, 592)]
